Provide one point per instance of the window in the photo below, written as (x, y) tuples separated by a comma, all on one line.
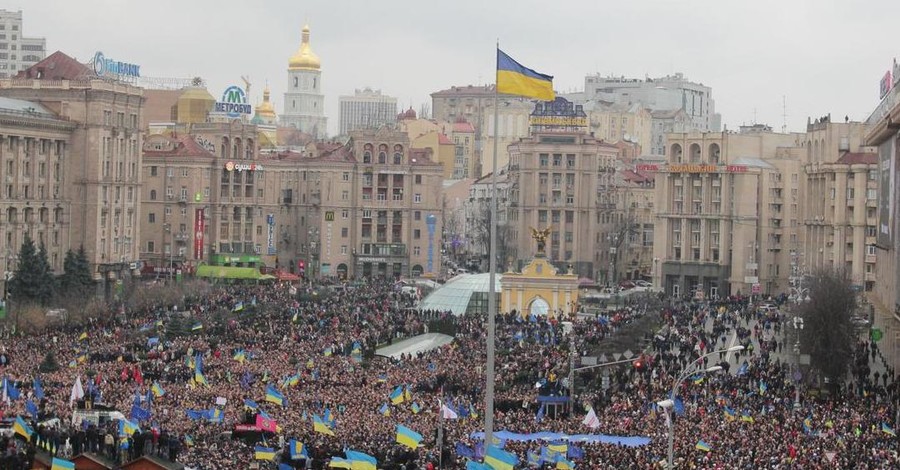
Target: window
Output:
[(170, 172), (418, 179), (871, 194), (417, 198), (417, 234), (151, 247), (544, 159), (542, 216), (417, 215), (850, 193), (152, 194), (345, 176), (417, 251), (152, 218), (343, 249), (168, 211), (184, 172), (152, 171), (345, 195), (870, 250)]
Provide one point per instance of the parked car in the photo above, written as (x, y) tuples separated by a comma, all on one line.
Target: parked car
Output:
[(625, 285)]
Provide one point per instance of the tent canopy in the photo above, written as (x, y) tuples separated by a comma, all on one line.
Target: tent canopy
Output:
[(228, 272)]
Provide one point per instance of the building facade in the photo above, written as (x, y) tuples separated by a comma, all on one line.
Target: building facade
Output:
[(17, 52), (304, 102), (840, 201), (669, 92), (34, 147), (366, 108), (728, 211), (560, 177), (101, 167)]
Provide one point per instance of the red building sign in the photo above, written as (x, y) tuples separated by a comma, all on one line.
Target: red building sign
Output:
[(199, 225)]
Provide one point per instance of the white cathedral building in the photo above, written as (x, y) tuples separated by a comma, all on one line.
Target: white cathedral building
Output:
[(304, 103)]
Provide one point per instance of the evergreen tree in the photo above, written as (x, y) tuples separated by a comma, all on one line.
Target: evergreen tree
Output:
[(46, 280), (76, 280), (828, 334), (49, 364)]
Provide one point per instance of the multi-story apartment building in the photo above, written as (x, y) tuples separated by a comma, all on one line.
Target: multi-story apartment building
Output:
[(372, 207), (100, 165), (726, 206), (17, 52), (205, 196), (477, 226), (882, 134), (840, 201), (561, 177), (669, 92), (617, 122), (366, 108), (466, 102), (304, 101), (34, 147), (452, 144), (665, 122)]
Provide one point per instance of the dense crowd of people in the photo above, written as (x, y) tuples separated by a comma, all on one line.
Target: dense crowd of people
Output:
[(317, 352)]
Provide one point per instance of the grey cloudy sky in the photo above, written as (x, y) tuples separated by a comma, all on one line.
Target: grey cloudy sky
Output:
[(822, 55)]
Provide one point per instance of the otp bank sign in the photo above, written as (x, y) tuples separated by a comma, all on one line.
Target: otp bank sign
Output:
[(234, 102), (232, 166)]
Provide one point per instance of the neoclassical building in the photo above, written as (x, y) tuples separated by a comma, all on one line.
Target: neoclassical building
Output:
[(304, 103)]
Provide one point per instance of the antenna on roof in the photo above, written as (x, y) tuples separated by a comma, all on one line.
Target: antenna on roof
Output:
[(783, 114)]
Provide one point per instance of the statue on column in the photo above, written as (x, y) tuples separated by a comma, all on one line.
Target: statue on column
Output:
[(540, 236)]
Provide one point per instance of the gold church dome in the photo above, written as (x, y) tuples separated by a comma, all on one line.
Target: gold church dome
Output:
[(305, 58), (265, 109)]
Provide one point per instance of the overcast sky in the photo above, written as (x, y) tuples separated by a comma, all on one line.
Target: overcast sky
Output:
[(821, 55)]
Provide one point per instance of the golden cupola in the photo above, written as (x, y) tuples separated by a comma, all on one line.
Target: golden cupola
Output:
[(265, 110), (305, 58)]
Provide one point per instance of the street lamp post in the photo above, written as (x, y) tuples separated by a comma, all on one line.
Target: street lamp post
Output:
[(669, 403), (799, 295)]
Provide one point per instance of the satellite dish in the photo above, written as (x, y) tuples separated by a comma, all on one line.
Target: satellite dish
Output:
[(626, 138)]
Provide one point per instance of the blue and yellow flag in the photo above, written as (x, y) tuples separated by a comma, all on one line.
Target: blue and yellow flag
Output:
[(360, 460), (408, 437), (22, 428), (415, 408), (515, 79), (888, 430), (746, 417), (702, 446), (385, 410), (264, 453), (730, 414), (61, 464), (240, 356), (298, 450), (563, 464), (274, 396), (337, 462), (157, 390), (500, 459), (321, 426), (397, 395)]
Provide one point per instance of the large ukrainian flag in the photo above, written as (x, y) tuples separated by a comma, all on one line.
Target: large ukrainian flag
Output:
[(515, 79)]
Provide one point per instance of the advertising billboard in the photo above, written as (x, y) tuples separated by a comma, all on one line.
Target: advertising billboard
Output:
[(886, 191), (199, 222)]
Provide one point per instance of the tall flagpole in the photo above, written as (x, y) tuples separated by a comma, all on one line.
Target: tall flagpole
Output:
[(492, 283)]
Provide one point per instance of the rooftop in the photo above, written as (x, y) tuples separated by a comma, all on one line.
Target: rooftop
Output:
[(858, 158)]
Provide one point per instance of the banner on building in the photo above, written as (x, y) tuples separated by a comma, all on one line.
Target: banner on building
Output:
[(199, 228), (270, 239), (886, 190)]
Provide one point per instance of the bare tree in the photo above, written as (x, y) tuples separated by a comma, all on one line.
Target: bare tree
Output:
[(828, 334), (623, 229), (454, 235), (480, 232)]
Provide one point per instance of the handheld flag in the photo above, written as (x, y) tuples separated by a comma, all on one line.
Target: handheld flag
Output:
[(31, 408), (298, 450), (157, 390), (38, 389), (888, 430), (274, 396), (540, 414), (385, 410), (264, 453), (515, 79), (730, 414), (564, 464), (240, 356), (250, 404), (415, 408), (746, 417), (61, 464), (408, 437), (337, 462), (448, 413), (702, 446), (591, 420), (22, 428), (360, 460), (500, 459), (321, 427), (397, 395)]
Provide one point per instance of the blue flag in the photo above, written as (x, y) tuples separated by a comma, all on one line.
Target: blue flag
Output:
[(38, 389), (463, 450), (540, 414), (679, 406), (139, 413), (31, 408)]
